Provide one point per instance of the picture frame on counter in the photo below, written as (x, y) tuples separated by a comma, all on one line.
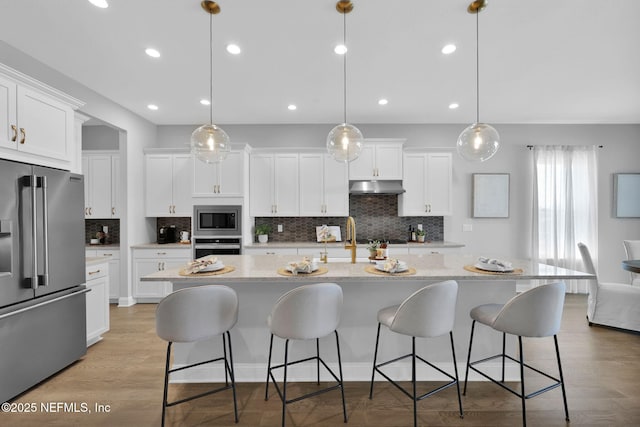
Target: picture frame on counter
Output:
[(490, 195)]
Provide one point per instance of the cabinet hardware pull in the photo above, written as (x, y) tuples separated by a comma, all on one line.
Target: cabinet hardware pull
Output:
[(94, 272), (107, 254), (90, 211), (24, 135), (113, 211), (15, 133), (161, 253)]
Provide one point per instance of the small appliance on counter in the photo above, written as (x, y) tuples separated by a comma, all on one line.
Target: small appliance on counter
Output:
[(167, 234)]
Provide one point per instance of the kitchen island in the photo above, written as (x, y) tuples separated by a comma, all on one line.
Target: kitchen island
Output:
[(256, 280)]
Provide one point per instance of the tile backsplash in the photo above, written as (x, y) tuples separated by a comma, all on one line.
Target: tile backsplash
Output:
[(376, 218), (93, 226)]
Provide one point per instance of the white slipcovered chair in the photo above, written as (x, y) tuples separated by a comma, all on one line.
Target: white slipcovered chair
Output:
[(611, 304), (632, 248), (196, 314)]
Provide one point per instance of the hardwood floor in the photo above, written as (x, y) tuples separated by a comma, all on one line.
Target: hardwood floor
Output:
[(124, 372)]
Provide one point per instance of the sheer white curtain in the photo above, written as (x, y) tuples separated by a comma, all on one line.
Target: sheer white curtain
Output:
[(565, 206)]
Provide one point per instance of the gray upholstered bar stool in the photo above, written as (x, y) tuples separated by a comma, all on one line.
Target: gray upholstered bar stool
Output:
[(536, 312), (196, 314), (427, 313), (304, 313)]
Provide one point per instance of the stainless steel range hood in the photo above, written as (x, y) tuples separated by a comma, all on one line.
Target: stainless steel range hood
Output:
[(375, 187)]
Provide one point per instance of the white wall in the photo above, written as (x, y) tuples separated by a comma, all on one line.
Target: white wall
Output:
[(99, 138), (511, 236)]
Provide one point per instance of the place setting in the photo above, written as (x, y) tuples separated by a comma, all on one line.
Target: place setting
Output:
[(390, 266), (486, 265), (208, 265), (305, 267)]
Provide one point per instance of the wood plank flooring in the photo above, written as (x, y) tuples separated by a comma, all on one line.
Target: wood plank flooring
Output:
[(124, 373)]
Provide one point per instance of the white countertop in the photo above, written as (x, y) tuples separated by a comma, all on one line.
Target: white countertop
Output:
[(264, 268), (97, 260), (162, 245), (283, 245)]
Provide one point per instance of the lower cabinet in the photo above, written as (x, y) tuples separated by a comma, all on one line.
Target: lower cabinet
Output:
[(114, 269), (270, 251), (97, 281), (148, 261)]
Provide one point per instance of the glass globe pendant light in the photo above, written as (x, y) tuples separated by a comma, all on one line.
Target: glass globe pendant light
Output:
[(209, 143), (344, 142), (479, 141)]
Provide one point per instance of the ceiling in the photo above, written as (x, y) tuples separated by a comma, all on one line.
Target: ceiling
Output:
[(545, 61)]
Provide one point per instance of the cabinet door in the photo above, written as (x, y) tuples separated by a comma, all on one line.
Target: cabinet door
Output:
[(148, 291), (87, 185), (362, 168), (47, 124), (388, 161), (231, 175), (8, 137), (312, 202), (159, 182), (182, 185), (438, 184), (99, 184), (336, 188), (286, 185), (261, 189), (206, 178), (97, 315), (116, 187), (413, 201)]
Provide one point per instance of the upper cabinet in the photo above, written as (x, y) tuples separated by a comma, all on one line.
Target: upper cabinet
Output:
[(428, 182), (381, 158), (274, 184), (168, 179), (36, 121), (102, 188), (324, 186), (223, 179)]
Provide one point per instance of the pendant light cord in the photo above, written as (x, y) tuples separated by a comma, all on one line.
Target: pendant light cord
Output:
[(210, 69), (344, 64), (477, 68)]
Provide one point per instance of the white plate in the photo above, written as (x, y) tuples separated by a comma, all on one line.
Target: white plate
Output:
[(314, 267), (213, 267), (492, 267), (402, 266)]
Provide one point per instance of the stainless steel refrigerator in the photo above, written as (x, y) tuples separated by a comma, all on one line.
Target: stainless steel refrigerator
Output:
[(42, 274)]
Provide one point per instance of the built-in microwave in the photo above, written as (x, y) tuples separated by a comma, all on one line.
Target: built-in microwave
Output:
[(212, 220)]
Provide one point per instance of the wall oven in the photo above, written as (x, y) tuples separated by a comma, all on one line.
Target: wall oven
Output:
[(217, 230)]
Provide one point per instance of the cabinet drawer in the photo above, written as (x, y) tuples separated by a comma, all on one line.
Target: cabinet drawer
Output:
[(111, 253), (162, 253), (95, 271)]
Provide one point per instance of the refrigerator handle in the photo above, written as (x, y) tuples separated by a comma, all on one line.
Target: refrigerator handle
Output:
[(33, 183), (45, 232)]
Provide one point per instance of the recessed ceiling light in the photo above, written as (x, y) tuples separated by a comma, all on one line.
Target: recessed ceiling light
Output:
[(152, 52), (292, 107), (340, 49), (453, 105), (152, 107), (450, 48), (102, 4), (205, 102), (233, 49), (383, 101)]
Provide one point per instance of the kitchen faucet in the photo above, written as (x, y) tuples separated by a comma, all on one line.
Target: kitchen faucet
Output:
[(350, 238)]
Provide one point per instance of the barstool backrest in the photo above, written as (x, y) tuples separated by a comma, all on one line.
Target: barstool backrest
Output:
[(428, 312), (307, 312), (536, 312), (197, 313)]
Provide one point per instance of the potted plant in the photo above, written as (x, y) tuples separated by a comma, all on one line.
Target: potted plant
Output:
[(373, 248), (262, 231), (420, 234)]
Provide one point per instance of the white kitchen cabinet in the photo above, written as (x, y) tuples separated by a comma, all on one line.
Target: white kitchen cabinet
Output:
[(113, 256), (269, 251), (169, 183), (36, 121), (380, 159), (97, 281), (324, 186), (223, 179), (102, 184), (423, 250), (428, 183), (147, 261), (274, 184)]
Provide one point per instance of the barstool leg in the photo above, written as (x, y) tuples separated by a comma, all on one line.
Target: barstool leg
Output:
[(375, 356), (344, 406), (564, 394), (466, 375), (504, 346), (318, 359), (455, 370), (522, 392), (166, 382), (224, 351), (232, 374), (413, 381), (266, 390), (284, 384)]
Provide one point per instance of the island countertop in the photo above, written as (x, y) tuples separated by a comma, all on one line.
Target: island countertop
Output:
[(264, 268)]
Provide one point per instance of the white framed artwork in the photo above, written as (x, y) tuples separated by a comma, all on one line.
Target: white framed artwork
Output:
[(491, 195)]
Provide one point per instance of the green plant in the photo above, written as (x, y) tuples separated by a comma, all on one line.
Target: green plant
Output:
[(373, 245), (420, 232), (263, 229)]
